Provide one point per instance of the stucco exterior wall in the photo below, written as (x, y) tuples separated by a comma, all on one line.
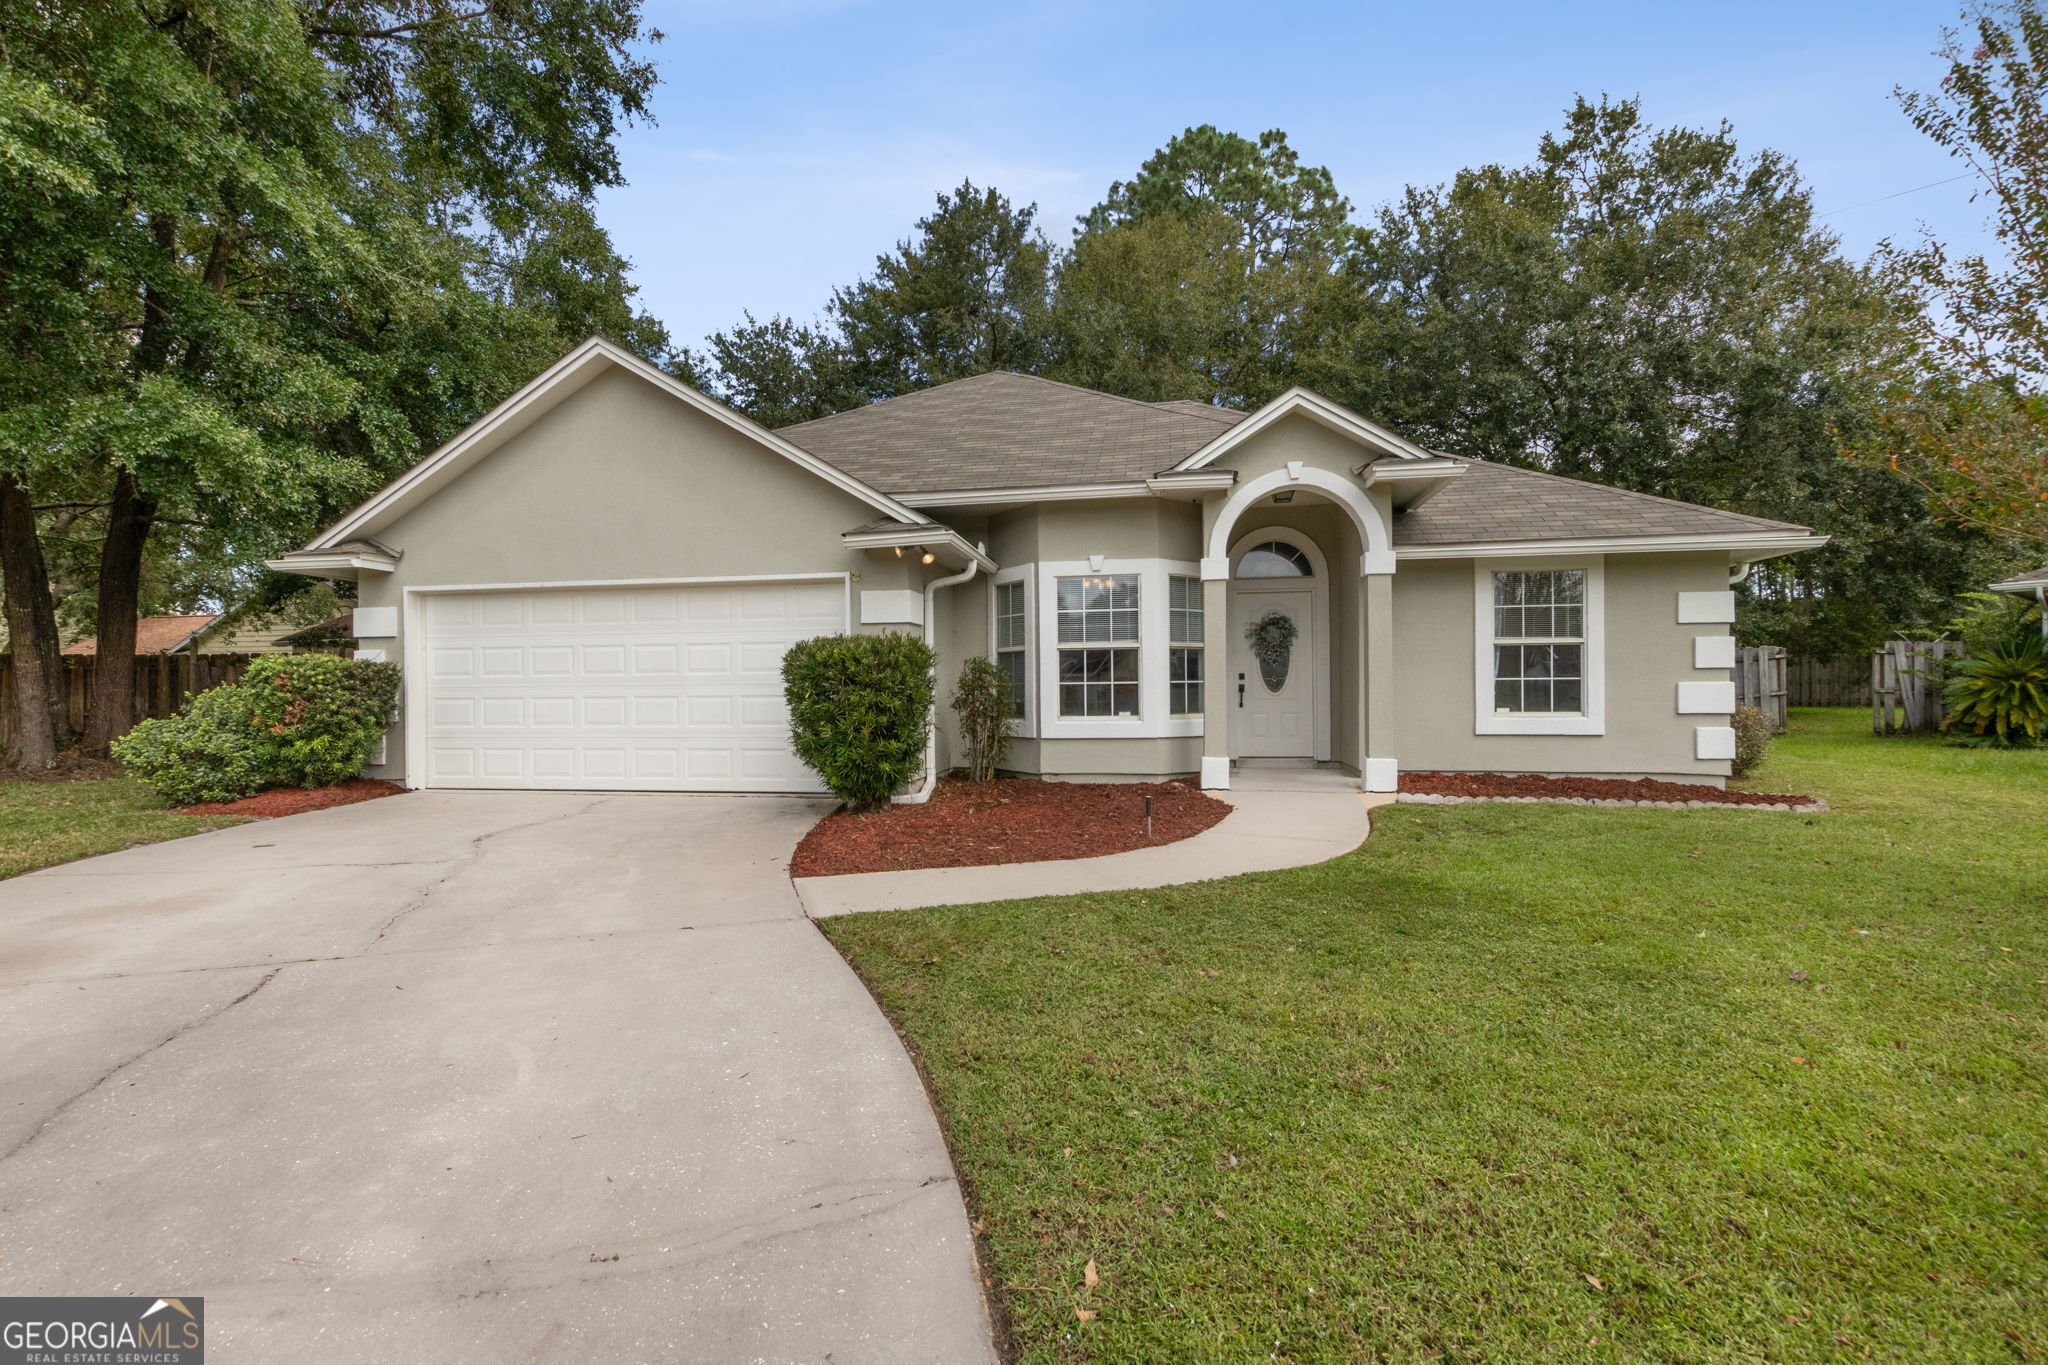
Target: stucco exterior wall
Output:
[(620, 481), (1647, 655)]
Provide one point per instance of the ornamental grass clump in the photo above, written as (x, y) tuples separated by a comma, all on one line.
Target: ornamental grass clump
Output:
[(293, 720), (2000, 696), (860, 707)]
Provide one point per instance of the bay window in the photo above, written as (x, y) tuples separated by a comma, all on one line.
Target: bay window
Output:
[(1096, 620), (1184, 645), (1012, 633)]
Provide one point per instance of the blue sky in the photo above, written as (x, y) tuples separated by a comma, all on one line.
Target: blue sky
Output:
[(796, 139)]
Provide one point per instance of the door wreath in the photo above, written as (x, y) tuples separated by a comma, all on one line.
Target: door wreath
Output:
[(1271, 638)]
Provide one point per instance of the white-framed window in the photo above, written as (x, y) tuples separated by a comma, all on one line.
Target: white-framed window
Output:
[(1098, 645), (1538, 647), (1184, 645), (1012, 639), (1104, 648)]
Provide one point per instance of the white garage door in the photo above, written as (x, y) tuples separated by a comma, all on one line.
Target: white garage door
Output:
[(628, 689)]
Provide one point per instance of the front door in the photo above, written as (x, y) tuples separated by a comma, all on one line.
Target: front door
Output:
[(1272, 682)]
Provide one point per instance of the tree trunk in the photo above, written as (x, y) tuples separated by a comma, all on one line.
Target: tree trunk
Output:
[(37, 721), (129, 518)]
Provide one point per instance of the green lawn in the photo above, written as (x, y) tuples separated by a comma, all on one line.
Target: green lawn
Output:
[(1524, 1083), (43, 823)]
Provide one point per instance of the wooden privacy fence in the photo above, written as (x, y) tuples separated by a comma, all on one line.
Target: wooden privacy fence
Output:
[(1760, 681), (1905, 684), (1828, 682), (161, 683)]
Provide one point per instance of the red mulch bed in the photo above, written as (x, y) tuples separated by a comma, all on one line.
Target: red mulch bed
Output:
[(298, 800), (1592, 788), (1010, 820)]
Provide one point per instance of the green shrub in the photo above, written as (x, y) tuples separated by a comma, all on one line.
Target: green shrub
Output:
[(294, 720), (981, 699), (1995, 620), (2001, 694), (860, 707), (1752, 738)]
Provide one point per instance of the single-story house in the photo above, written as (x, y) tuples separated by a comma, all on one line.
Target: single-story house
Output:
[(593, 586), (155, 635)]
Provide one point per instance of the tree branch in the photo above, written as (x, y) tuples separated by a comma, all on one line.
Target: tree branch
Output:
[(396, 30)]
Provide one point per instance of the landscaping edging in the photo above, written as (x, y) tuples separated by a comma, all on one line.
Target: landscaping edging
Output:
[(1436, 799)]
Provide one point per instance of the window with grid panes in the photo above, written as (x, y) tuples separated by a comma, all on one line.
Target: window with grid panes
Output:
[(1096, 620), (1539, 642), (1184, 645)]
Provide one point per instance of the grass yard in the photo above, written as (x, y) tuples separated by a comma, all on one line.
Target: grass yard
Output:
[(1526, 1083), (44, 823)]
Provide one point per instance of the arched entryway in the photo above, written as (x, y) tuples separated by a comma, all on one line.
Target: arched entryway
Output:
[(1279, 630)]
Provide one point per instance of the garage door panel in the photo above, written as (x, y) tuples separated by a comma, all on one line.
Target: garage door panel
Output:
[(644, 688)]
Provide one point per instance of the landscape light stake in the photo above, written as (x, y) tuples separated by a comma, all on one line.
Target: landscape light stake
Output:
[(1148, 819)]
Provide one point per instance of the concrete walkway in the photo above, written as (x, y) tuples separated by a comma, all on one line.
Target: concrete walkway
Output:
[(474, 1076), (1281, 818)]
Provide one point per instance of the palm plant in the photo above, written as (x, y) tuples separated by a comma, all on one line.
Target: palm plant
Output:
[(2001, 694)]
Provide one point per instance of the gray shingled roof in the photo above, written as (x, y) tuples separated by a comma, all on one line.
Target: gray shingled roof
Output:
[(1228, 416), (1502, 502), (1005, 430), (2039, 575)]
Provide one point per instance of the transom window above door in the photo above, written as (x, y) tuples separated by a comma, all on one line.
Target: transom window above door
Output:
[(1274, 559)]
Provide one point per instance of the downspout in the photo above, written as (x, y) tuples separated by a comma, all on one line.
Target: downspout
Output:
[(1740, 572), (931, 735)]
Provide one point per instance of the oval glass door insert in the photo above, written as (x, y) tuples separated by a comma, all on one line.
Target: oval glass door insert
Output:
[(1272, 642)]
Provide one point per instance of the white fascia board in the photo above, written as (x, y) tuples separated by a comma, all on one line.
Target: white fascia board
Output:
[(935, 535), (1765, 545), (1196, 481), (553, 384), (340, 564), (1059, 492), (1314, 406), (1421, 480), (2023, 588)]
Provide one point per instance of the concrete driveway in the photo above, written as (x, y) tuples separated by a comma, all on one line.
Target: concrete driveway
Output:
[(473, 1076)]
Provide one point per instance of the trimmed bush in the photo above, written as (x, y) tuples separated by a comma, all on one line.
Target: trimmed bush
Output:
[(981, 699), (2001, 695), (860, 707), (1752, 738), (294, 720)]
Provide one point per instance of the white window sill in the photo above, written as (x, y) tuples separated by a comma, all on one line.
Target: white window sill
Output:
[(1119, 727), (1538, 725)]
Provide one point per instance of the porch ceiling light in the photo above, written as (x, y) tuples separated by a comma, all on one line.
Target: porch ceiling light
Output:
[(926, 557), (1287, 496)]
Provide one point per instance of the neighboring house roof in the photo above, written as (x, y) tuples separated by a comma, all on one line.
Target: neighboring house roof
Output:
[(153, 634), (1495, 502), (331, 631), (2028, 582), (1004, 430)]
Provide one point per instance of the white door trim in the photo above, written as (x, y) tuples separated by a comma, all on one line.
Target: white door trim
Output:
[(1319, 628), (413, 673)]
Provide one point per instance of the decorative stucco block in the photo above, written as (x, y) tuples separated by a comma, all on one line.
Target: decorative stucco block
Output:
[(1713, 651), (1706, 698), (375, 623), (1706, 608), (1713, 742)]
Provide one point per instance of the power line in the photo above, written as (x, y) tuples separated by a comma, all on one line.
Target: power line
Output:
[(1901, 194)]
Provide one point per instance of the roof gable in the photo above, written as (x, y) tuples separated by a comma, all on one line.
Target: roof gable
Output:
[(1302, 402), (547, 390)]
